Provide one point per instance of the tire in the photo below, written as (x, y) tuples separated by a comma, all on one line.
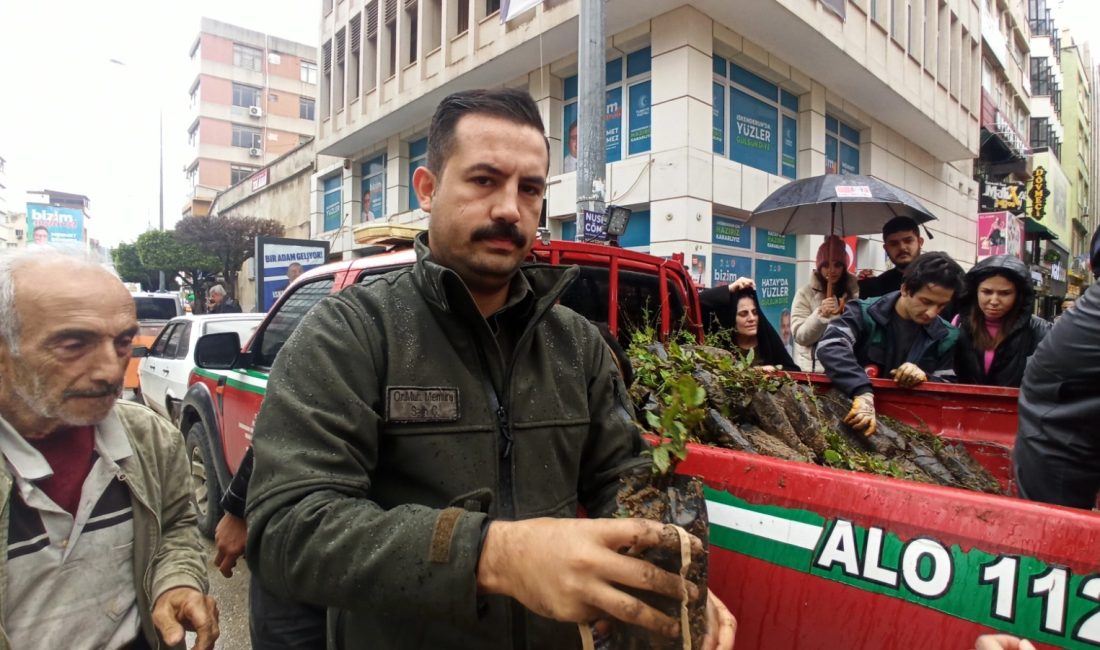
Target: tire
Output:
[(206, 488)]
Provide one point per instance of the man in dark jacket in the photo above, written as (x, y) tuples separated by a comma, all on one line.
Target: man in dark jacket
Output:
[(902, 242), (900, 334), (1057, 453), (428, 435), (221, 302)]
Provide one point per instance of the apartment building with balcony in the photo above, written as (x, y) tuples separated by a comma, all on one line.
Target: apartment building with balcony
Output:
[(253, 99), (885, 88), (1002, 166), (1077, 156)]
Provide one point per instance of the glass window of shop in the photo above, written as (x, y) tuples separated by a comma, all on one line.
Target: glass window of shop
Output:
[(418, 157), (841, 147), (761, 129), (373, 188)]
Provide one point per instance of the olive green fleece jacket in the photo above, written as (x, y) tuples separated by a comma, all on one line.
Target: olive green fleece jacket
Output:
[(393, 426), (167, 550)]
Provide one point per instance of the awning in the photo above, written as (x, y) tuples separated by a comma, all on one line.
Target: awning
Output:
[(1034, 228)]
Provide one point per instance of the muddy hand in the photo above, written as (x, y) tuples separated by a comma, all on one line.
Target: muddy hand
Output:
[(1002, 642), (908, 375), (721, 625), (186, 609), (862, 415), (579, 569)]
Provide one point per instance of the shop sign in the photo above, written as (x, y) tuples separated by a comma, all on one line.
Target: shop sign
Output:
[(1038, 194), (1002, 196)]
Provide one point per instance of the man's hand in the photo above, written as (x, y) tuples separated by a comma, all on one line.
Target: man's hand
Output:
[(1002, 642), (741, 283), (908, 375), (186, 609), (229, 538), (829, 307), (721, 625), (862, 415), (569, 569)]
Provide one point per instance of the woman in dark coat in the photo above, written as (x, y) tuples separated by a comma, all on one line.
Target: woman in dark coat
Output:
[(997, 330), (735, 308)]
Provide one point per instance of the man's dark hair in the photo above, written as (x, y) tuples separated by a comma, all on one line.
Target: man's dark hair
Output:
[(899, 224), (933, 268), (510, 104)]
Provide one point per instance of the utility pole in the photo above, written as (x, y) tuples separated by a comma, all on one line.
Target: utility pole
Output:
[(591, 107), (160, 136)]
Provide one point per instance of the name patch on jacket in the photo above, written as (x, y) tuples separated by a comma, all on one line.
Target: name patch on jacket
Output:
[(406, 404)]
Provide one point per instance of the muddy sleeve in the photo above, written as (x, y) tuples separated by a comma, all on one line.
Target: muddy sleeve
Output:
[(314, 534), (614, 444), (837, 351)]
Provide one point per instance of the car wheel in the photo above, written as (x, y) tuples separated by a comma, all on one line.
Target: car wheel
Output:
[(204, 479)]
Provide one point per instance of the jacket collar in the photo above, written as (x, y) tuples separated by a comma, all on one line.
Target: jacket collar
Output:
[(882, 310), (445, 290)]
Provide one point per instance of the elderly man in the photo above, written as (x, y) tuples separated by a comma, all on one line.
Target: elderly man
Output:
[(427, 436), (221, 302), (102, 548)]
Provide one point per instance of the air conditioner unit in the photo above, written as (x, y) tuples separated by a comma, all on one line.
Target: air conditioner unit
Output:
[(255, 152), (255, 111)]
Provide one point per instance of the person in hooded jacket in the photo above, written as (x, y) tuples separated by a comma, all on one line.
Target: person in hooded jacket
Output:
[(812, 310), (1057, 451), (736, 309), (997, 330)]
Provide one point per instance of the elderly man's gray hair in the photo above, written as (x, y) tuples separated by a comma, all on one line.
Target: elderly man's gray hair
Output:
[(10, 262), (216, 290)]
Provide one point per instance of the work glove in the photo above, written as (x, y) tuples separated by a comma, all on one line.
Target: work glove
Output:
[(862, 415), (908, 375)]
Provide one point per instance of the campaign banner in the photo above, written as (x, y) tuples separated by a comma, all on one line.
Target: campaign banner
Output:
[(699, 269), (775, 288), (569, 138), (773, 243), (727, 268), (332, 203), (279, 261), (753, 125), (718, 113), (731, 232), (999, 233), (790, 147), (48, 224), (373, 187), (639, 118), (613, 124)]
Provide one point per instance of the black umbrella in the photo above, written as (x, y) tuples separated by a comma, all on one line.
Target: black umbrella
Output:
[(836, 204)]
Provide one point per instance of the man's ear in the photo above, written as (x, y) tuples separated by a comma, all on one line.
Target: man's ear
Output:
[(920, 243), (424, 182)]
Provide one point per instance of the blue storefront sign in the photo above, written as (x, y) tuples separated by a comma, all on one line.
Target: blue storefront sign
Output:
[(280, 261), (639, 118), (753, 126), (332, 203), (790, 146), (731, 232), (728, 268), (718, 111), (772, 243), (613, 124), (48, 224), (775, 288), (636, 235)]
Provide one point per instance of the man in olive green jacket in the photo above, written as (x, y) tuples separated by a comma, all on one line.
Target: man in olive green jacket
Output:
[(99, 543), (427, 436)]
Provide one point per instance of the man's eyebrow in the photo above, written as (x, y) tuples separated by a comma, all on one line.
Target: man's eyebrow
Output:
[(70, 333), (492, 170)]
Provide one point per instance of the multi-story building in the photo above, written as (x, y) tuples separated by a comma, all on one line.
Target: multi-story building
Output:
[(11, 231), (710, 106), (1076, 156), (253, 99)]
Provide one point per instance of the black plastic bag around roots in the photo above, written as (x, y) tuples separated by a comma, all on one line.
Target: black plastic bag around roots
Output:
[(676, 500)]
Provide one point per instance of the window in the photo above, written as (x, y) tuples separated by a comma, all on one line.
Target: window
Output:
[(238, 173), (159, 346), (192, 134), (338, 79), (247, 137), (418, 157), (247, 57), (761, 129), (179, 342), (391, 37), (433, 24), (305, 108), (326, 87), (283, 323), (308, 72), (463, 17), (370, 50), (412, 29), (491, 7), (355, 31), (245, 96), (373, 189), (841, 147), (331, 199), (627, 81)]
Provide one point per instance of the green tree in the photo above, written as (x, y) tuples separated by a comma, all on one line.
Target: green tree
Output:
[(230, 239), (130, 269)]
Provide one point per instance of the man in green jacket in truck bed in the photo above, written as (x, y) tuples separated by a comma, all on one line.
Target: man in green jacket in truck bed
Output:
[(428, 435)]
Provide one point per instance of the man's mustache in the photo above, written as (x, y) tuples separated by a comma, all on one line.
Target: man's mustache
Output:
[(105, 391), (501, 230)]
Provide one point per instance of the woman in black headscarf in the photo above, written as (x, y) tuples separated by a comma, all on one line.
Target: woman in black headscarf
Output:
[(735, 308)]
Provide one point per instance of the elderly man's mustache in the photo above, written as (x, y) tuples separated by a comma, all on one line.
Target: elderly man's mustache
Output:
[(105, 391)]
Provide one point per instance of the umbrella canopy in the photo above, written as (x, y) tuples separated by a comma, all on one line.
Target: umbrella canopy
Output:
[(837, 204)]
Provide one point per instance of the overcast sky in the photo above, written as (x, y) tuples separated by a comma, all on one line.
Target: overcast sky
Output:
[(71, 120)]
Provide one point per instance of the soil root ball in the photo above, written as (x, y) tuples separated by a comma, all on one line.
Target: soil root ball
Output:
[(726, 434), (716, 395), (769, 445), (769, 415), (797, 403)]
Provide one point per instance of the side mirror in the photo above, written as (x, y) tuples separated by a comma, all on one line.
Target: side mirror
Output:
[(218, 351), (139, 351)]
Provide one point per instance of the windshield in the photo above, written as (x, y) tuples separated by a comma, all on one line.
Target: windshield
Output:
[(157, 308)]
